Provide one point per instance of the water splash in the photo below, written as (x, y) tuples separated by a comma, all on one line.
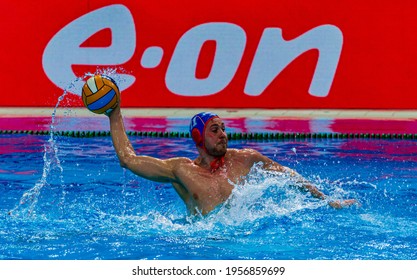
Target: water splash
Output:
[(263, 197), (116, 73), (51, 160)]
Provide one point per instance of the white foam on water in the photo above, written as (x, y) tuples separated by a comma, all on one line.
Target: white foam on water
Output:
[(262, 197), (51, 162)]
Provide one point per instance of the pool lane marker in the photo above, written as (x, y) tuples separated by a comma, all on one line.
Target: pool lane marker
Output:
[(230, 135)]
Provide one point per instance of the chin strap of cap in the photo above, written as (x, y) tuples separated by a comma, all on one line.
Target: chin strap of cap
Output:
[(216, 164)]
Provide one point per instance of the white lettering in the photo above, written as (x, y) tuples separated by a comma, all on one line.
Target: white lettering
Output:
[(181, 74), (64, 49), (152, 57), (274, 54)]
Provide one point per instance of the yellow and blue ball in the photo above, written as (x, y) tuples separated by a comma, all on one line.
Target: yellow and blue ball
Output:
[(100, 94)]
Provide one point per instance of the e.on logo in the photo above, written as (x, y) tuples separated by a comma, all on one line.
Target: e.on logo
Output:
[(272, 55)]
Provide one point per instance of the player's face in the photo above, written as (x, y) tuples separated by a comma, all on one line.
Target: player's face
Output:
[(216, 138)]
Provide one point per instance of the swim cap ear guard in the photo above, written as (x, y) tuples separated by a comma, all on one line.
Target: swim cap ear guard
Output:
[(198, 125)]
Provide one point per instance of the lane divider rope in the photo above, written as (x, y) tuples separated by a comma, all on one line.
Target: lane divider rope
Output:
[(231, 135)]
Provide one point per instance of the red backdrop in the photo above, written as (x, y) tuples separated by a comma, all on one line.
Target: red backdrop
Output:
[(183, 53)]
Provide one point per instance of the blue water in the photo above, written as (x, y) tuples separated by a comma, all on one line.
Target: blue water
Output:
[(68, 198)]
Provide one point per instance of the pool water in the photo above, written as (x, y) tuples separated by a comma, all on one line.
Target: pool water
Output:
[(68, 198)]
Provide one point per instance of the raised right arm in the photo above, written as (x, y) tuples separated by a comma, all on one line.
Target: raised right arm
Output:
[(148, 167)]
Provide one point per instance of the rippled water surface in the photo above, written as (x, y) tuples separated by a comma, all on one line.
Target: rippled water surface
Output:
[(68, 198)]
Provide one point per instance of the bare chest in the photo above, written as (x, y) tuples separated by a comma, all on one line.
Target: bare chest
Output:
[(210, 186), (208, 189)]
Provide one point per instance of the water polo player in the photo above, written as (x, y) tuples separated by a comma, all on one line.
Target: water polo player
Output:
[(208, 180)]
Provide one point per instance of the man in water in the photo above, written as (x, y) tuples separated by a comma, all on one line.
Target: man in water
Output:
[(205, 182)]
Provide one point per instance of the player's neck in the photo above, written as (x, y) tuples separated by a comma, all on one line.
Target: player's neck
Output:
[(209, 162)]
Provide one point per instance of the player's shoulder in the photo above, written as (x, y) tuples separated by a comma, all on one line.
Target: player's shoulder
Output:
[(246, 152), (180, 160), (178, 164)]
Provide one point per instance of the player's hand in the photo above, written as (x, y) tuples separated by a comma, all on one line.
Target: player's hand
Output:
[(337, 204)]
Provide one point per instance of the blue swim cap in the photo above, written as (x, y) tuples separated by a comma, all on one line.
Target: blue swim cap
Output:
[(198, 125)]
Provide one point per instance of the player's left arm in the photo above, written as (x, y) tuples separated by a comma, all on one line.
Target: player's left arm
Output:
[(299, 180)]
